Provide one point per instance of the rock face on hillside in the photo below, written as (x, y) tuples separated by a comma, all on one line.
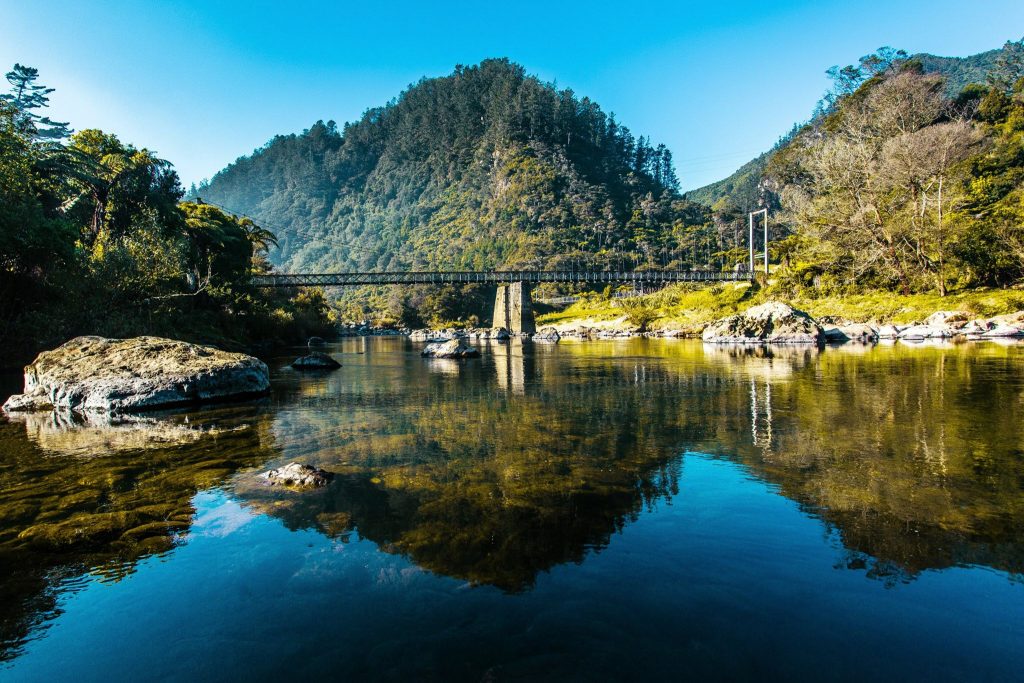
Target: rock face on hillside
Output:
[(455, 348), (770, 323), (93, 374)]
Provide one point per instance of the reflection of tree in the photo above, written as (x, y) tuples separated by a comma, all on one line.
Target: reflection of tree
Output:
[(907, 454), (497, 489), (96, 496), (912, 455)]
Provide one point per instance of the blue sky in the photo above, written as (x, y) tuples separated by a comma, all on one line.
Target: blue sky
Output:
[(204, 82)]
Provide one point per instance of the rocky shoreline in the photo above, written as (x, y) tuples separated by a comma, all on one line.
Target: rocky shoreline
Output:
[(798, 327)]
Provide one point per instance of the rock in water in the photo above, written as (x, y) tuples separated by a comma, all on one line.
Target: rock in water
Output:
[(548, 335), (93, 374), (294, 474), (770, 323), (454, 348), (316, 341), (855, 332), (315, 361)]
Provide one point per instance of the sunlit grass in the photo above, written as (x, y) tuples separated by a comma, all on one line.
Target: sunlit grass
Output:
[(685, 306)]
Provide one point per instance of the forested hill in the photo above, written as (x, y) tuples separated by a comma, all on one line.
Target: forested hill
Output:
[(740, 188), (486, 167)]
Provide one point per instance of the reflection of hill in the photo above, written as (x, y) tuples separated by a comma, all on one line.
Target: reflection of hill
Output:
[(534, 456), (912, 455), (80, 497), (492, 490)]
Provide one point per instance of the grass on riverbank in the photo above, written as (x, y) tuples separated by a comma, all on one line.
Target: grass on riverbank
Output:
[(686, 307)]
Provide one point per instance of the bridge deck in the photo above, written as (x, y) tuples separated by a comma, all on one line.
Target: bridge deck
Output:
[(495, 277)]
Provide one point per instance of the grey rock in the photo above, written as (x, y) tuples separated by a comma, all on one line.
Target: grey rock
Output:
[(1003, 330), (93, 374), (770, 323), (315, 361), (855, 332), (316, 341), (947, 319), (890, 331), (547, 335), (453, 348), (297, 475)]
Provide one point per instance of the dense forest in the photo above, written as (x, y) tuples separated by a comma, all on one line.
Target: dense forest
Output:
[(487, 167), (94, 239)]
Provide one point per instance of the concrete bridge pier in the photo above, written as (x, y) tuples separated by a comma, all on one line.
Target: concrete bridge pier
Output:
[(513, 308)]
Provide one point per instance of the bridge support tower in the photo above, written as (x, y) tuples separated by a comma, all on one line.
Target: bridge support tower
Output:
[(513, 308)]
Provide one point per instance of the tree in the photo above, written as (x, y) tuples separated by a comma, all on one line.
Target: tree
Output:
[(1009, 67), (221, 247), (117, 183), (25, 97), (875, 185)]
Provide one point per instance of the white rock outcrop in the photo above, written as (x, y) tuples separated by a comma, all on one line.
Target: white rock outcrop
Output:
[(769, 323)]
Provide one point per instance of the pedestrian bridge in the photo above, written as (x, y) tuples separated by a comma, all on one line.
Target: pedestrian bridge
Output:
[(513, 306), (499, 277)]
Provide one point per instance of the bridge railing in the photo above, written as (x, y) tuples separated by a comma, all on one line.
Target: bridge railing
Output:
[(495, 277)]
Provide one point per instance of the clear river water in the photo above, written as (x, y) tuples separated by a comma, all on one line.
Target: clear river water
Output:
[(611, 510)]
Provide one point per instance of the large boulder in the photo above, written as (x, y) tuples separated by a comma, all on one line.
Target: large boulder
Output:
[(315, 361), (93, 374), (770, 323), (454, 348)]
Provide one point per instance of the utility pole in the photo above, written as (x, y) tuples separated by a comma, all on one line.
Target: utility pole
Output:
[(752, 214), (750, 243)]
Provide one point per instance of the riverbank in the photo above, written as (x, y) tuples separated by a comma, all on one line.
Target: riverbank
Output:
[(681, 311)]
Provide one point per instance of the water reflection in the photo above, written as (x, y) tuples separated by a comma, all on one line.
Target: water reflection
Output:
[(510, 364), (494, 470), (96, 434), (494, 485), (89, 494)]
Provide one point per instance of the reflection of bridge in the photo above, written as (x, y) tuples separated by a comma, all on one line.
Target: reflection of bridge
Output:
[(450, 277), (513, 307)]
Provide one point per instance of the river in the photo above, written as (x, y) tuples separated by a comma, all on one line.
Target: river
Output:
[(612, 510)]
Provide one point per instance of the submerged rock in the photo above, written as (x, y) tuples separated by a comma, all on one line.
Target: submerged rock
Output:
[(316, 341), (93, 374), (770, 323), (298, 475), (454, 348), (315, 361)]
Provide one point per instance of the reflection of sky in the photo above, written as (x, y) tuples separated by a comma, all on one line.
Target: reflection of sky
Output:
[(218, 516), (728, 580)]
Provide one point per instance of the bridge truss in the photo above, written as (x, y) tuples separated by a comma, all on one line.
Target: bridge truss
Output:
[(496, 277)]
